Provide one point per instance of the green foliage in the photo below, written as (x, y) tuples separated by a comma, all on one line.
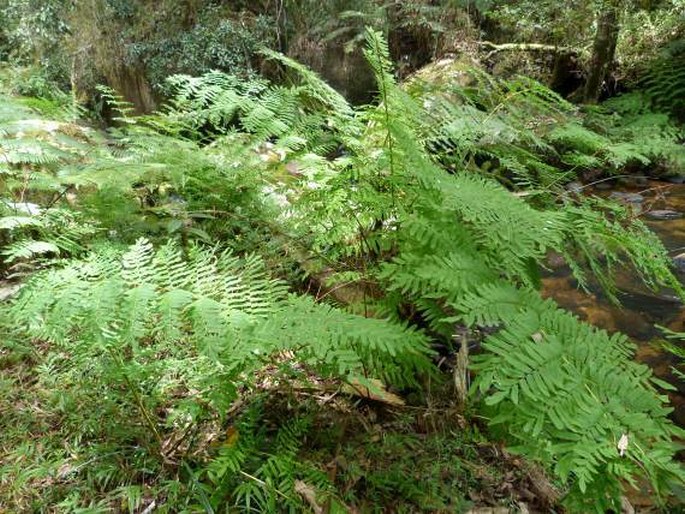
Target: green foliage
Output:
[(664, 80), (527, 137), (562, 375), (673, 345), (51, 232), (177, 344), (30, 34), (31, 152), (219, 39), (555, 415), (412, 472), (638, 134), (162, 347)]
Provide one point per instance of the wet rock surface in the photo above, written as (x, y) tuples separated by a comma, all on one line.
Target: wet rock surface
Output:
[(679, 262), (627, 197), (663, 214), (675, 179)]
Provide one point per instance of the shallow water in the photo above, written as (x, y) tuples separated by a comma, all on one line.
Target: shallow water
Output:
[(641, 309)]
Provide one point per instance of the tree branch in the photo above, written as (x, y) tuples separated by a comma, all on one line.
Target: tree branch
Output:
[(525, 47)]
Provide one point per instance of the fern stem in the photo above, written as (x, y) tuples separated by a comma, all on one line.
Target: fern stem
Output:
[(461, 370), (138, 400), (386, 113), (264, 484)]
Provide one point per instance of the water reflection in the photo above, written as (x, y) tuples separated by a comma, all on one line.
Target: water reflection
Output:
[(641, 309)]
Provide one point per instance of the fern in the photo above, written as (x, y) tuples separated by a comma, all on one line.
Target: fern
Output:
[(240, 318), (564, 391), (53, 232), (526, 136), (639, 134), (664, 79), (31, 153), (216, 320), (579, 393), (410, 200)]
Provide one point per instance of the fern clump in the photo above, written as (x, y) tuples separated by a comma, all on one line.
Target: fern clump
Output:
[(35, 220), (595, 405), (636, 126), (55, 232), (432, 209), (162, 346), (528, 137), (467, 253), (663, 80)]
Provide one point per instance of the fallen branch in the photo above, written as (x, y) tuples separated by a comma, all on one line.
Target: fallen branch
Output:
[(525, 47)]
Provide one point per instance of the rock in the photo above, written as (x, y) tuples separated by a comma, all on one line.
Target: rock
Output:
[(448, 71), (8, 291), (679, 262), (574, 187), (604, 186), (675, 179), (663, 214), (633, 181), (346, 71), (627, 197), (24, 208), (440, 78), (626, 506)]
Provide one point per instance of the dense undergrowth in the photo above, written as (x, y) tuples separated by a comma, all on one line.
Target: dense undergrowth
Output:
[(245, 301)]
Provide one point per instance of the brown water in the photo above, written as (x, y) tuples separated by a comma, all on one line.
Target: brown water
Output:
[(641, 309)]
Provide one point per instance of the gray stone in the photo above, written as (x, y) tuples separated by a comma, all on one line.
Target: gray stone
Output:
[(574, 187), (7, 291), (679, 262), (663, 214), (627, 197)]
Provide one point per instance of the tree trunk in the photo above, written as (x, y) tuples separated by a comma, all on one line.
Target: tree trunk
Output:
[(603, 51)]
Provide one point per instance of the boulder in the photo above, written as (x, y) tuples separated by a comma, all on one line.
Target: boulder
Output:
[(675, 179), (627, 197), (679, 262), (344, 68), (663, 215), (443, 74)]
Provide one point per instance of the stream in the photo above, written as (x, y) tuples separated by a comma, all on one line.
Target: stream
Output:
[(641, 309)]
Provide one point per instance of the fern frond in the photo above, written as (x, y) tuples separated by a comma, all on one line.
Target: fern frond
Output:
[(227, 307)]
